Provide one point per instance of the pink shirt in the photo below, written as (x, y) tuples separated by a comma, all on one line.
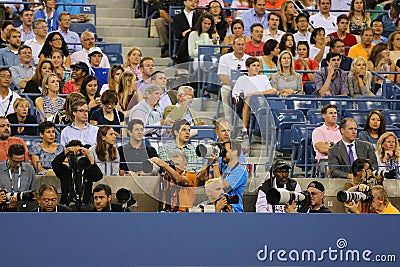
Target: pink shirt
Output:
[(204, 3), (324, 134)]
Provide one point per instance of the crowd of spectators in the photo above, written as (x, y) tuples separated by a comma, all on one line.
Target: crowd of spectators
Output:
[(44, 60)]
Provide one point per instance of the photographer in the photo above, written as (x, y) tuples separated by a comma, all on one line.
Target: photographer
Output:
[(15, 174), (216, 195), (178, 184), (48, 200), (380, 202), (76, 173), (279, 174), (317, 194), (234, 176)]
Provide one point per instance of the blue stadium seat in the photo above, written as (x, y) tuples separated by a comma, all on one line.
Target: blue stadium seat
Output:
[(114, 58), (360, 116), (79, 28), (390, 89), (309, 88), (301, 102), (284, 119), (392, 117), (342, 102), (372, 102), (302, 154)]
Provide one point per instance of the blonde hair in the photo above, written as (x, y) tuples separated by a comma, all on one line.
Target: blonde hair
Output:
[(381, 150), (45, 90), (19, 101), (368, 77), (280, 70), (284, 18), (127, 62), (125, 83)]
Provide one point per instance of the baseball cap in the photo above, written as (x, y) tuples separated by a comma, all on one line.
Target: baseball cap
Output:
[(81, 65), (95, 50), (396, 5), (317, 185), (280, 164)]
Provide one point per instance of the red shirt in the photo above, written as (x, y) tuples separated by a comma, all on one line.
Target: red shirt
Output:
[(348, 41), (254, 51), (312, 65), (69, 87), (4, 145)]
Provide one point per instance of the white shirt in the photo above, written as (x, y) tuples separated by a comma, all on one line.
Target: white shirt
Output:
[(329, 24), (353, 149), (8, 101), (36, 47), (189, 17), (249, 85), (229, 62), (267, 35), (301, 37)]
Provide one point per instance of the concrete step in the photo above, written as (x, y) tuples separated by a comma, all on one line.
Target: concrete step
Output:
[(115, 12), (122, 31), (137, 41), (121, 22), (112, 3)]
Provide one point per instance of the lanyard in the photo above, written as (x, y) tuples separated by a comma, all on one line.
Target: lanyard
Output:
[(225, 175), (11, 179)]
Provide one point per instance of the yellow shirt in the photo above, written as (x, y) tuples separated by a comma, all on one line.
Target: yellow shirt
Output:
[(359, 51), (390, 209)]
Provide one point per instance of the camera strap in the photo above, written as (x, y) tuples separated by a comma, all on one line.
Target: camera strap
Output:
[(11, 179), (225, 175)]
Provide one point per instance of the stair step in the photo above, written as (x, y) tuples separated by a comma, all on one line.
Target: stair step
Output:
[(115, 12), (139, 41), (122, 31), (121, 22), (112, 3)]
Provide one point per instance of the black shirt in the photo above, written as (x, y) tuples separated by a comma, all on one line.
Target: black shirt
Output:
[(134, 156), (12, 118)]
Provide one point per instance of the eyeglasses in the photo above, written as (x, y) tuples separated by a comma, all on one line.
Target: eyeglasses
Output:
[(4, 76), (215, 7), (239, 67), (47, 200), (83, 110), (41, 28), (17, 161), (56, 39)]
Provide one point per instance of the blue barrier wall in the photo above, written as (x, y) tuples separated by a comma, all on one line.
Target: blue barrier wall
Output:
[(149, 239)]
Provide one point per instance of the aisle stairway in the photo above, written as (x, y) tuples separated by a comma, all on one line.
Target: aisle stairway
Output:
[(116, 23)]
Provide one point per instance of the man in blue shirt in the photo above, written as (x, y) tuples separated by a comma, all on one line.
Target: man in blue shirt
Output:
[(95, 58), (234, 175), (257, 14), (75, 11), (80, 129), (9, 54)]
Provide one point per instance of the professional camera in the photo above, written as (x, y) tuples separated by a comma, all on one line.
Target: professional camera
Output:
[(21, 196), (281, 196), (346, 196), (386, 174), (232, 199), (150, 167), (78, 162), (211, 149), (125, 198)]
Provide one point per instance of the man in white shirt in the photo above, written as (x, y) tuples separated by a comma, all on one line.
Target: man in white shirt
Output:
[(323, 18), (40, 29), (235, 60), (26, 26), (302, 25), (88, 41), (272, 31), (7, 97)]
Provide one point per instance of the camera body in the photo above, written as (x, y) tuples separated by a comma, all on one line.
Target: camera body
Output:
[(78, 161), (281, 196), (212, 149), (21, 196), (149, 166), (347, 196)]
